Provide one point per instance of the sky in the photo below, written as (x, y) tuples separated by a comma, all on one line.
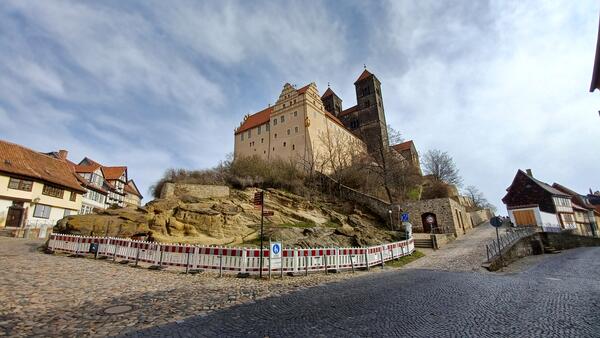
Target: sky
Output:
[(499, 85)]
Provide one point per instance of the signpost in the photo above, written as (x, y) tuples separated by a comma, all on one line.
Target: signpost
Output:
[(405, 217), (259, 200), (496, 222)]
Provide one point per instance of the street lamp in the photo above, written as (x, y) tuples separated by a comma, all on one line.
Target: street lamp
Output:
[(391, 221)]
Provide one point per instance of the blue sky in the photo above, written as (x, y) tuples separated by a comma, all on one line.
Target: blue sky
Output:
[(500, 85)]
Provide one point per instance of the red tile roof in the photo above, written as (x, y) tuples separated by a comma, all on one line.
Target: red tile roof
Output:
[(403, 146), (113, 173), (255, 120), (349, 111), (131, 188), (365, 74), (18, 160), (328, 93), (85, 168), (303, 89)]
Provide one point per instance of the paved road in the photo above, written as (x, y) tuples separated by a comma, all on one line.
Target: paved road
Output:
[(557, 297), (463, 254)]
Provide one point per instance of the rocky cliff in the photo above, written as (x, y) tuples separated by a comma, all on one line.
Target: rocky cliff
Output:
[(234, 220)]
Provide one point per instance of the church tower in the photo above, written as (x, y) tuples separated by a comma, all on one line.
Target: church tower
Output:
[(332, 102), (369, 117)]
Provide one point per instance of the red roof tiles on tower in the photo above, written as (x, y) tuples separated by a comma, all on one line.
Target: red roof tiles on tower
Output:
[(365, 74)]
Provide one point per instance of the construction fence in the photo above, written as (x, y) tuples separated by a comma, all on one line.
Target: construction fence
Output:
[(228, 259)]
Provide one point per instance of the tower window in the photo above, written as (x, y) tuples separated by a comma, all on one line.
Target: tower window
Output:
[(284, 144), (262, 140), (275, 135), (274, 122), (282, 118), (288, 131), (273, 148), (295, 113), (284, 105), (293, 147), (296, 130)]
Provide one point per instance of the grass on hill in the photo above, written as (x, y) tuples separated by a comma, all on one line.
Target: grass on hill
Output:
[(405, 260)]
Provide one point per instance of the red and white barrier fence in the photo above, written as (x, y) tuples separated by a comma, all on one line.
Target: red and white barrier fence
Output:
[(227, 259)]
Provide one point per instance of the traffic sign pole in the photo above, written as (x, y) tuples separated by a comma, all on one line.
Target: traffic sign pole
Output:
[(262, 210)]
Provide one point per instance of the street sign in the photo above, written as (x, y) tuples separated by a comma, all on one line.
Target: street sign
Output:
[(405, 217), (258, 198), (429, 219), (496, 222), (268, 213), (275, 255)]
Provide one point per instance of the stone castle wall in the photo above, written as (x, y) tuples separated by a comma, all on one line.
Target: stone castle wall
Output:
[(480, 216), (195, 190)]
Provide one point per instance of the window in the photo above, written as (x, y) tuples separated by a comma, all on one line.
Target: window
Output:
[(284, 144), (273, 148), (282, 118), (262, 140), (19, 184), (53, 191), (366, 91), (258, 132), (275, 135), (42, 211), (264, 151), (296, 130), (275, 122), (293, 147), (249, 133), (294, 100), (242, 137), (73, 196), (288, 132), (295, 114), (284, 105), (267, 127)]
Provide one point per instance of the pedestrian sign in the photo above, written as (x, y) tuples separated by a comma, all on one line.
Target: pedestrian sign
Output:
[(405, 217), (275, 255)]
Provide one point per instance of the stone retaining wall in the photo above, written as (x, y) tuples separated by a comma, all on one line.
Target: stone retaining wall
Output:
[(480, 216)]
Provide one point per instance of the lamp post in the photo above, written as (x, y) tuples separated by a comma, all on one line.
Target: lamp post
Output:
[(391, 221)]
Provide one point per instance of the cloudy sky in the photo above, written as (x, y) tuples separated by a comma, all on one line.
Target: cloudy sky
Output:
[(500, 85)]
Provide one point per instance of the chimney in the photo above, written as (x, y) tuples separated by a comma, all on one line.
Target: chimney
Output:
[(62, 154), (529, 173)]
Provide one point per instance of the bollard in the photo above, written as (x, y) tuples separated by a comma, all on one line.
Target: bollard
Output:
[(367, 259), (352, 262), (381, 256)]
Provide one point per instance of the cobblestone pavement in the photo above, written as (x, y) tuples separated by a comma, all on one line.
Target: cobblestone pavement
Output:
[(559, 296), (466, 253), (54, 295)]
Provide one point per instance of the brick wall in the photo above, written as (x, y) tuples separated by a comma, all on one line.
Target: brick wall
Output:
[(195, 190)]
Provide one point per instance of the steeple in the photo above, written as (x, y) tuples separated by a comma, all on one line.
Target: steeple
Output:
[(332, 102)]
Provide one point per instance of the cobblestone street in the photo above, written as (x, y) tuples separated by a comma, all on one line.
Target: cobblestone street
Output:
[(55, 295), (559, 296)]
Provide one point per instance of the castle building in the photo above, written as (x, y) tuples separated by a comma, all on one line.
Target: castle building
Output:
[(316, 130)]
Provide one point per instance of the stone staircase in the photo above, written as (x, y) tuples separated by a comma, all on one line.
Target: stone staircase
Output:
[(551, 250), (423, 243)]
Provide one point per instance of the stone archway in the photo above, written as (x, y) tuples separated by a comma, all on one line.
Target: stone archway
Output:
[(429, 220)]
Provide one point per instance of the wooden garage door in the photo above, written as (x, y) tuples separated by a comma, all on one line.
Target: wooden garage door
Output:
[(524, 217)]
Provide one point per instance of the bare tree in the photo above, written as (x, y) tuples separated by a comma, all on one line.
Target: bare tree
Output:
[(394, 136), (479, 200), (441, 166)]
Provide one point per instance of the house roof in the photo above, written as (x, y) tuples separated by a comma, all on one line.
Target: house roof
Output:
[(596, 73), (113, 173), (349, 111), (19, 160), (546, 186), (303, 89), (255, 120), (365, 74), (328, 93), (85, 168), (403, 146), (334, 119), (131, 188)]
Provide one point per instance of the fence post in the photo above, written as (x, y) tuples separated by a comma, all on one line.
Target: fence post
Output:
[(187, 260), (244, 259), (306, 265), (381, 255), (115, 252), (221, 263), (160, 248), (352, 262), (325, 259), (137, 254), (367, 258)]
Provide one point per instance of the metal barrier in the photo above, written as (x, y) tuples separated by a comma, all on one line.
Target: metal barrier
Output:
[(492, 249), (227, 259)]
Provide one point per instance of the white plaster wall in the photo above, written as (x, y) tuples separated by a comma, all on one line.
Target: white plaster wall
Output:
[(549, 220)]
